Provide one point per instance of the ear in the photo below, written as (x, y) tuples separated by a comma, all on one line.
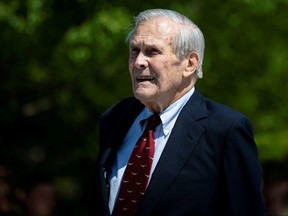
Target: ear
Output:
[(192, 63)]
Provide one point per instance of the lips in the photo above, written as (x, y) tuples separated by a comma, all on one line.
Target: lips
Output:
[(144, 78)]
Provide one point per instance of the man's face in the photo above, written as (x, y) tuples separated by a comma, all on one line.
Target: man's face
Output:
[(156, 72)]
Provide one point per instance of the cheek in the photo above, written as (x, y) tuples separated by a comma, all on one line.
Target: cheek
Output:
[(131, 67), (131, 62), (171, 78)]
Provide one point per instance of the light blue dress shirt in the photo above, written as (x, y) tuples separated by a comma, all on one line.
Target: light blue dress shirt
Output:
[(161, 134)]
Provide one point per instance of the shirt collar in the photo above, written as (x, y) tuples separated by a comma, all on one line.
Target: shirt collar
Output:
[(170, 114)]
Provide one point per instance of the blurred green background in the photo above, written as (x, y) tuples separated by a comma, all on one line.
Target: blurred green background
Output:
[(63, 62)]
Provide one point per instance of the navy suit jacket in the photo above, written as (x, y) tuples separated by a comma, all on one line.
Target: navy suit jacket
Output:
[(209, 166)]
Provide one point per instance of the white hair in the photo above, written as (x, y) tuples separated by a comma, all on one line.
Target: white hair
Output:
[(188, 39)]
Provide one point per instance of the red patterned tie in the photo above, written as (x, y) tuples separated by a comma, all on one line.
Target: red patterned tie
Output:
[(137, 172)]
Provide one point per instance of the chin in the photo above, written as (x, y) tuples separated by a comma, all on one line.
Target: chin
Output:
[(142, 97), (145, 94)]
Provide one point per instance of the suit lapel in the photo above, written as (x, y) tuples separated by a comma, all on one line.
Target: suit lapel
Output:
[(183, 139), (120, 128), (115, 138)]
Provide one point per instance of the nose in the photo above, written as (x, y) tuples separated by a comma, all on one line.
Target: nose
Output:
[(141, 61)]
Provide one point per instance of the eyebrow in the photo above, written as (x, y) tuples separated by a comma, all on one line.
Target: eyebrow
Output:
[(146, 45)]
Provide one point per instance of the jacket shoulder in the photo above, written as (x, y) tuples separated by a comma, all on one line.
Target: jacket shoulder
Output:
[(224, 117), (120, 115), (222, 110), (121, 108)]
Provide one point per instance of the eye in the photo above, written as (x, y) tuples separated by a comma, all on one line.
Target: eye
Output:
[(134, 50), (153, 51)]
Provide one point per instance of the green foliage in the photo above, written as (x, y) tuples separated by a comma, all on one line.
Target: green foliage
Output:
[(245, 62)]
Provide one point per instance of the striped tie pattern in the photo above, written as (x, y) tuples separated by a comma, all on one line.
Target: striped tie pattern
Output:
[(137, 172)]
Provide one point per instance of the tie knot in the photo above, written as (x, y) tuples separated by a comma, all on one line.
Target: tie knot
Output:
[(153, 122)]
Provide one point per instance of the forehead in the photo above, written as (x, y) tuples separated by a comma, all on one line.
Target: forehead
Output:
[(157, 30)]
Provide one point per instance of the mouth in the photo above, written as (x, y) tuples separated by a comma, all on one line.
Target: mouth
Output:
[(144, 78)]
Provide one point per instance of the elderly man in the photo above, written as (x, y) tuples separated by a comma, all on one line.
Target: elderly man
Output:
[(168, 150)]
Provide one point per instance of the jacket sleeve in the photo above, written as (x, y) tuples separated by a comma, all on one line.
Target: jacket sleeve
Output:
[(243, 174)]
